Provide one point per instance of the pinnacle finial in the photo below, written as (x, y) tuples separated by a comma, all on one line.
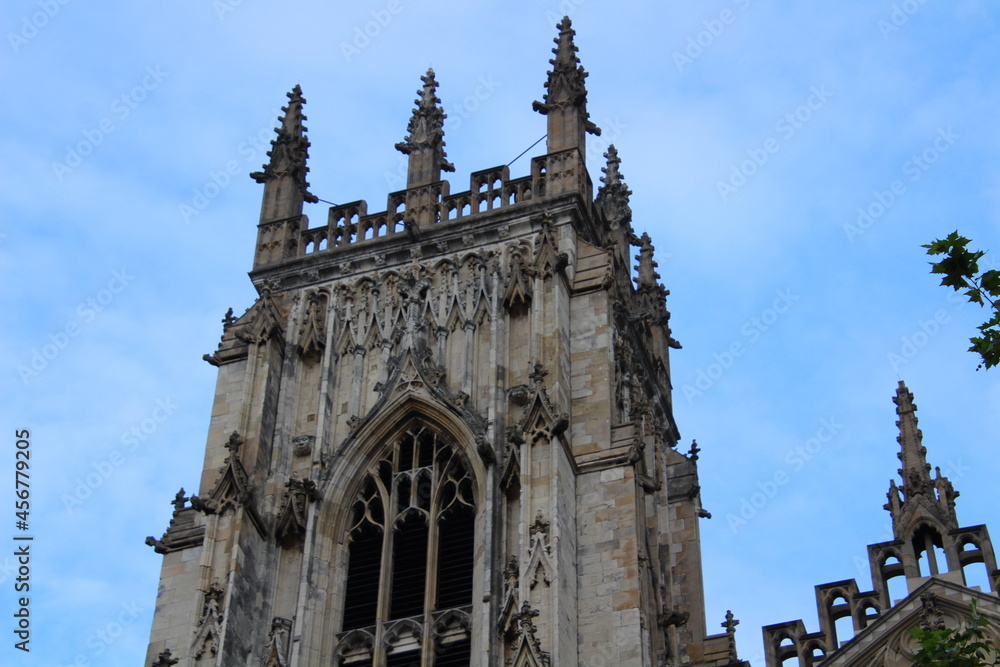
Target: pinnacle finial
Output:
[(288, 160), (179, 501), (565, 85), (731, 622), (428, 94), (295, 101), (612, 176), (919, 495), (647, 276), (566, 50), (293, 119), (565, 89), (730, 626), (424, 142), (613, 196), (693, 453), (912, 454)]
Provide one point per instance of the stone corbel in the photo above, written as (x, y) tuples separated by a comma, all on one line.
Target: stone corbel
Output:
[(672, 617)]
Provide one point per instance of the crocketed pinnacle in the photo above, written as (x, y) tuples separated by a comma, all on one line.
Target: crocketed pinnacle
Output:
[(915, 470), (919, 497), (289, 152), (565, 85), (426, 126), (613, 196), (647, 276)]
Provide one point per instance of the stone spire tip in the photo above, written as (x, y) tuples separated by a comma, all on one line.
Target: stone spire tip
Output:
[(288, 157), (565, 86), (919, 495), (612, 174), (424, 142), (613, 195), (912, 454)]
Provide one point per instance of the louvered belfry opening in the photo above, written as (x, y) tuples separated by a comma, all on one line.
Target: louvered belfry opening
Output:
[(409, 572), (403, 660), (361, 593), (408, 590), (458, 654), (455, 553)]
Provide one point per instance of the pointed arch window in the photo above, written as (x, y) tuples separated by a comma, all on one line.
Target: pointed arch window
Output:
[(411, 543), (929, 549)]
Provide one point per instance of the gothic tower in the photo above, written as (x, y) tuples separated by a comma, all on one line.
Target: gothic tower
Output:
[(443, 433), (929, 551)]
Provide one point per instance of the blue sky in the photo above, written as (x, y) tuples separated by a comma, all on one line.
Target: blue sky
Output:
[(788, 161)]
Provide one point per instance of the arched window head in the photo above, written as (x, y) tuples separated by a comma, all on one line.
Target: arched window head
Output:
[(411, 542), (814, 655), (928, 546)]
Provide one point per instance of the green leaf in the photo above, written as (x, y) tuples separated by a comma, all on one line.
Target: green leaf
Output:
[(991, 282), (992, 322), (987, 346), (959, 268), (955, 648)]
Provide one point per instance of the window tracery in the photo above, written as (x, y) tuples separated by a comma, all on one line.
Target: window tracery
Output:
[(411, 542)]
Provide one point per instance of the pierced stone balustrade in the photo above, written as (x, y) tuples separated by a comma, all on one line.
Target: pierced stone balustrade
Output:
[(489, 190)]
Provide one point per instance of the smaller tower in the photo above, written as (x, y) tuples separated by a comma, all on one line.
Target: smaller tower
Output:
[(929, 551), (285, 186), (920, 498), (565, 101), (922, 509)]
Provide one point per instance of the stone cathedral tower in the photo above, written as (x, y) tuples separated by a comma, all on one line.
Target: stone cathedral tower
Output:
[(443, 433)]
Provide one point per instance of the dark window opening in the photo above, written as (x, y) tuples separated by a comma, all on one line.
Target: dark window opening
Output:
[(361, 596), (405, 659), (420, 479), (405, 454), (456, 558), (425, 486), (403, 493), (425, 454), (458, 654), (409, 573)]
